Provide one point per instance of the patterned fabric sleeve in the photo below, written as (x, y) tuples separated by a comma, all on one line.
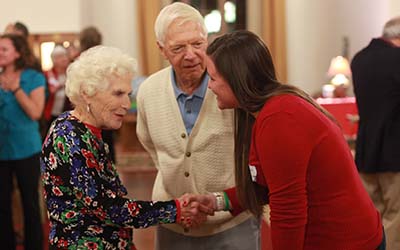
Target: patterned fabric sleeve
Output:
[(81, 181)]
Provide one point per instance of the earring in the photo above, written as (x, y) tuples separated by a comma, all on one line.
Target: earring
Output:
[(88, 108)]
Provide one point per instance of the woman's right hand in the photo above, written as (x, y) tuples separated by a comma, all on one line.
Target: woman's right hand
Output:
[(10, 82), (196, 208)]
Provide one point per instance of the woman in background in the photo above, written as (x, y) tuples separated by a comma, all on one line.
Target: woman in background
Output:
[(21, 104), (56, 77)]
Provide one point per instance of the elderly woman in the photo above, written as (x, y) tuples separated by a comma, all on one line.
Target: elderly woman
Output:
[(21, 105), (56, 76), (85, 198)]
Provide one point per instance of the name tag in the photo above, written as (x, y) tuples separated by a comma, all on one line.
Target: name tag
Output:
[(253, 173)]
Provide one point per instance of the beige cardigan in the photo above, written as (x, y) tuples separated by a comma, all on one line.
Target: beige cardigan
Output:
[(202, 162)]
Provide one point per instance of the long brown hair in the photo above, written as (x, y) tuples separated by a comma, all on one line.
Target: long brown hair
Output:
[(245, 62), (26, 59)]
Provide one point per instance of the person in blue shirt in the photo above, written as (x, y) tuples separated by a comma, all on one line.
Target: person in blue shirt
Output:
[(22, 98)]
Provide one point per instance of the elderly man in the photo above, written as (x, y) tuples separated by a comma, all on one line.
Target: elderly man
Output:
[(189, 138), (376, 79)]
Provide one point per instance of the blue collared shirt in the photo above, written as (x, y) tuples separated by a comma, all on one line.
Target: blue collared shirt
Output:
[(190, 105)]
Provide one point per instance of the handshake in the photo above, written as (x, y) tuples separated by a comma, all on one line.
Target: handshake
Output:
[(196, 207)]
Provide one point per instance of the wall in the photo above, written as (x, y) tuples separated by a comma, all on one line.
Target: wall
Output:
[(115, 19), (394, 8), (42, 16), (315, 31), (254, 16), (314, 28)]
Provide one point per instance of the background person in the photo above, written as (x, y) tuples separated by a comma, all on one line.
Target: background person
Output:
[(189, 139), (89, 37), (288, 151), (376, 78), (17, 28), (56, 76), (21, 104), (86, 201)]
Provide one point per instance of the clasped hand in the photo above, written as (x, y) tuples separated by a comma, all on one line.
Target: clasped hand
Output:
[(196, 208), (10, 82)]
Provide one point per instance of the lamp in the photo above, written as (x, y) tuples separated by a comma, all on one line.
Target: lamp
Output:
[(339, 71)]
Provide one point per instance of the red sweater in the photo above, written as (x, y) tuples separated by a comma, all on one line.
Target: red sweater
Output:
[(316, 197)]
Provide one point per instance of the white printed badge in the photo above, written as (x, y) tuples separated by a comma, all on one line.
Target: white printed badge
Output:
[(253, 172)]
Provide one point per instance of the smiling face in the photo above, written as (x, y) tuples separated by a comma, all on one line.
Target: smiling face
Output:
[(225, 97), (184, 47), (8, 53), (108, 107)]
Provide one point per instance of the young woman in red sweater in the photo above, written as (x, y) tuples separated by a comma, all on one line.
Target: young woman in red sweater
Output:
[(289, 152)]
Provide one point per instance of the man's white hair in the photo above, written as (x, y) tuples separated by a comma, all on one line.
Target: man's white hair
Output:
[(92, 71), (181, 11), (392, 28)]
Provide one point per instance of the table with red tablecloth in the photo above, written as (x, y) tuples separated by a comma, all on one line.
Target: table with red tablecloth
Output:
[(346, 113)]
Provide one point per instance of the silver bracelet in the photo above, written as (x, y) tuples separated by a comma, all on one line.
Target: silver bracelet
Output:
[(220, 201)]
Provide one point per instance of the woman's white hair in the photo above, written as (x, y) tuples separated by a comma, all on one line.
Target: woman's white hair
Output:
[(392, 28), (92, 71), (183, 12), (58, 50)]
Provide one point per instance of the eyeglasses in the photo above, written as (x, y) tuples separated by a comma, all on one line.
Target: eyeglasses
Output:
[(183, 48)]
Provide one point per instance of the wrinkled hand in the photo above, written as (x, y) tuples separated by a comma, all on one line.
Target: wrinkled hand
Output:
[(195, 208)]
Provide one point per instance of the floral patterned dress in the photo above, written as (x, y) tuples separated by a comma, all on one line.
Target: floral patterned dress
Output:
[(84, 194)]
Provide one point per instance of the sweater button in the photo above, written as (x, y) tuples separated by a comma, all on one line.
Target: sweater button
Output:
[(188, 154), (186, 174), (183, 135)]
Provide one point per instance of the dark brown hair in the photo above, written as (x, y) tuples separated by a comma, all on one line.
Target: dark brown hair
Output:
[(89, 37), (245, 62), (22, 29), (26, 59)]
